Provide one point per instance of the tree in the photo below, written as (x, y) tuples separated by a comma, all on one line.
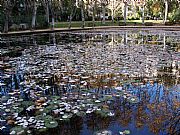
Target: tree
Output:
[(125, 11), (45, 4), (52, 13), (35, 5), (72, 10), (81, 4), (115, 6), (7, 6), (166, 10), (104, 3), (93, 7)]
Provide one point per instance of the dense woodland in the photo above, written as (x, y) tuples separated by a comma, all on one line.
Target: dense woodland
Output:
[(36, 14)]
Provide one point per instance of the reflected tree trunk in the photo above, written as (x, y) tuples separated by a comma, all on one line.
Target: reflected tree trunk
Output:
[(34, 40), (53, 38), (164, 41), (125, 38)]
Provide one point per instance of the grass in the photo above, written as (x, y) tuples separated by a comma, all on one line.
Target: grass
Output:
[(108, 23)]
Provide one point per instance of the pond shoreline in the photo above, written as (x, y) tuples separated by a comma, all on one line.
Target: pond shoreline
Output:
[(28, 32)]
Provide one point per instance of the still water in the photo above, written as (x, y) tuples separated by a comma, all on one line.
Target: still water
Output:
[(91, 82)]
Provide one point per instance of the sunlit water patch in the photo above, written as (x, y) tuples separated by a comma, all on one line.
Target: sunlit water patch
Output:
[(90, 82)]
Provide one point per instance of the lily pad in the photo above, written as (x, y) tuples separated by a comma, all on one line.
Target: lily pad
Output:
[(19, 110), (42, 129), (17, 130), (51, 124), (27, 103)]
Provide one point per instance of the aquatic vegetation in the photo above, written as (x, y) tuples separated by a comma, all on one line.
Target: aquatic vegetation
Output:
[(92, 80)]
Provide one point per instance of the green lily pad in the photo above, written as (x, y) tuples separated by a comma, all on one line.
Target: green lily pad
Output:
[(51, 124), (48, 117), (126, 132), (67, 116), (18, 130), (133, 100), (27, 103), (42, 129), (55, 97), (84, 90), (39, 117), (81, 114), (49, 108), (18, 110), (45, 118)]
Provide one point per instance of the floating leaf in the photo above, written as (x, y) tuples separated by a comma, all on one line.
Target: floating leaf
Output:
[(17, 130), (51, 124), (126, 132), (26, 103)]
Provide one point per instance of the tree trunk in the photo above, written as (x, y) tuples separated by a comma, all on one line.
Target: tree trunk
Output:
[(47, 12), (143, 15), (93, 17), (82, 14), (53, 21), (125, 12), (33, 24), (166, 11), (7, 9), (113, 15), (6, 23), (104, 12), (70, 21), (52, 14)]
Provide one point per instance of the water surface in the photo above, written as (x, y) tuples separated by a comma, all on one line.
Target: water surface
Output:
[(143, 64)]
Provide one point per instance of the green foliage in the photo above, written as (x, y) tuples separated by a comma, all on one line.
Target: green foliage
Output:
[(157, 8), (1, 19), (41, 22), (176, 16)]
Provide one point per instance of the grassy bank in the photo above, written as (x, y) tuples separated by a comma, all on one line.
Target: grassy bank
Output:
[(107, 23)]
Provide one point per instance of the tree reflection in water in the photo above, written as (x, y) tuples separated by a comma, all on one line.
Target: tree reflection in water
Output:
[(144, 64)]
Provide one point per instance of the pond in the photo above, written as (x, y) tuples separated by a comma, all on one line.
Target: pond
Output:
[(101, 82)]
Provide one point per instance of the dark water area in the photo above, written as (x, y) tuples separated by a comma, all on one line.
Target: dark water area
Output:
[(91, 82)]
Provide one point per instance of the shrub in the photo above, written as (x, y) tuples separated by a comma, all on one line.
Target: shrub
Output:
[(14, 27), (148, 24), (169, 23), (176, 16)]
